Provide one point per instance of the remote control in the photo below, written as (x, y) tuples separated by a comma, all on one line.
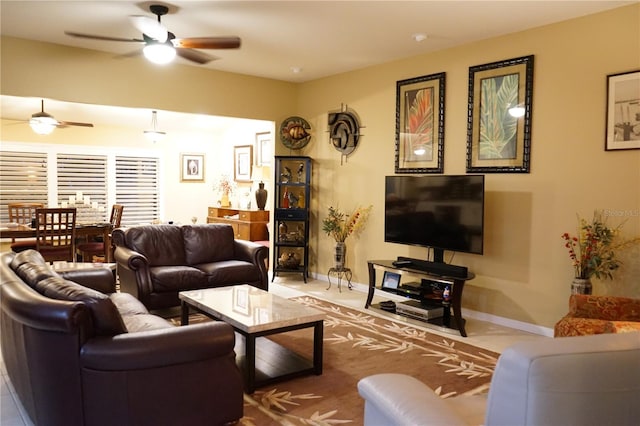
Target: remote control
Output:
[(401, 263)]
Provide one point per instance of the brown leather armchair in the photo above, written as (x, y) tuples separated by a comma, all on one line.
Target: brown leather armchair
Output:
[(156, 262), (77, 356)]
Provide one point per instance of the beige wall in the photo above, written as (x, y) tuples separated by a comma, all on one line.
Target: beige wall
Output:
[(525, 273), (81, 75)]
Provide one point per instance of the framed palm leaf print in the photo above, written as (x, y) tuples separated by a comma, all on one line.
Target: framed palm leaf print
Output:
[(499, 116), (420, 124)]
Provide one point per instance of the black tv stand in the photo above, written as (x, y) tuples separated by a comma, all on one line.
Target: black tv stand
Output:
[(435, 268), (452, 318)]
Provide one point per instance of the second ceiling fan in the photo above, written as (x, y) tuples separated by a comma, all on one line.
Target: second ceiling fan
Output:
[(44, 123), (163, 43)]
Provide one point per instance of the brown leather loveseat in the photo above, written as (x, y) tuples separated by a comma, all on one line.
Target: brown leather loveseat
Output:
[(156, 262), (91, 356)]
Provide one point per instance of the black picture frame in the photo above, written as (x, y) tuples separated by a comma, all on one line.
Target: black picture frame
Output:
[(498, 140), (623, 111), (419, 142), (391, 280)]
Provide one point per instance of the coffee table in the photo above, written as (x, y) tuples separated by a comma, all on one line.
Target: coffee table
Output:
[(255, 313), (64, 266)]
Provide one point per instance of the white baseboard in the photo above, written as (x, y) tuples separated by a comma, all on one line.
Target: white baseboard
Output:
[(468, 313)]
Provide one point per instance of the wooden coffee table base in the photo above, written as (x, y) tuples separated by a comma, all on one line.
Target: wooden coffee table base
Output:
[(266, 362), (261, 360)]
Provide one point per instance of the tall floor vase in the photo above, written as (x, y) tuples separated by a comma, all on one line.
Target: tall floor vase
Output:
[(340, 255), (581, 286)]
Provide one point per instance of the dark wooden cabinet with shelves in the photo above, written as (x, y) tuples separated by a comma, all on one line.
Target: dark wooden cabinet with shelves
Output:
[(452, 304), (291, 215)]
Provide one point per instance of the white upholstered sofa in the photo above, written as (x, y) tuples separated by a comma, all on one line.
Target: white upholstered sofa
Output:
[(586, 380)]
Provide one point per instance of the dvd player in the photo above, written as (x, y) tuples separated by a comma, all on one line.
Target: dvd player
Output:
[(415, 309)]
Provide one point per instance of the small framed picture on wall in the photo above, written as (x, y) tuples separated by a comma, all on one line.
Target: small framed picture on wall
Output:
[(623, 111), (191, 167), (263, 145), (243, 162)]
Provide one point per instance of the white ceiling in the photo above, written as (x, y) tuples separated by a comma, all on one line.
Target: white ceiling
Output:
[(321, 38)]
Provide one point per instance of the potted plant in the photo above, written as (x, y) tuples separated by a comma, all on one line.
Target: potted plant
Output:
[(593, 251), (340, 225)]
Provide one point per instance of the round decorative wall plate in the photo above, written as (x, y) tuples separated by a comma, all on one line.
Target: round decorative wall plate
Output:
[(295, 132)]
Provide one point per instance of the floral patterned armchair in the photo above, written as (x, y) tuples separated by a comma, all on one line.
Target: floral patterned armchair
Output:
[(590, 314)]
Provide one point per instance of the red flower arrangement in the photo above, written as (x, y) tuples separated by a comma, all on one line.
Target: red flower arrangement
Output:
[(593, 251)]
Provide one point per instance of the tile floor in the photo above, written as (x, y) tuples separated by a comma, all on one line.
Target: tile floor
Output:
[(482, 334)]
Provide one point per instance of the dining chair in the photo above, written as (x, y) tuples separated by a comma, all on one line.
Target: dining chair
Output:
[(56, 233), (86, 251), (23, 213)]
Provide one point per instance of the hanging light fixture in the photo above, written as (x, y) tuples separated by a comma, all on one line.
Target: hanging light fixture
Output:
[(44, 124), (160, 53), (41, 122), (154, 135)]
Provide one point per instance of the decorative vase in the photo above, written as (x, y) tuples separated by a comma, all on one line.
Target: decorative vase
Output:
[(224, 201), (340, 255), (261, 196), (581, 286)]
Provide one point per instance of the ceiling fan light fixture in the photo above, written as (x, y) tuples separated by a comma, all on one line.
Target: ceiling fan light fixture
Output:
[(43, 124), (154, 135), (160, 53)]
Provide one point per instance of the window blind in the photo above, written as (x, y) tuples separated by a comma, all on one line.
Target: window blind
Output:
[(23, 179), (137, 189), (86, 174)]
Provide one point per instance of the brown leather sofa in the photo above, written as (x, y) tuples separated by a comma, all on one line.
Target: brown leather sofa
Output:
[(155, 262), (91, 356)]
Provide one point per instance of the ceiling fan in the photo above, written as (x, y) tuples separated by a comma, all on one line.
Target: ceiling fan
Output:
[(43, 123), (158, 40)]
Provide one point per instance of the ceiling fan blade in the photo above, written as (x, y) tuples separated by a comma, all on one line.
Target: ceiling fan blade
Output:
[(73, 123), (230, 42), (104, 38), (195, 56), (131, 54), (150, 27)]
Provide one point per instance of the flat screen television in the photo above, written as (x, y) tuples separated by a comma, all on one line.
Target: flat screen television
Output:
[(439, 212)]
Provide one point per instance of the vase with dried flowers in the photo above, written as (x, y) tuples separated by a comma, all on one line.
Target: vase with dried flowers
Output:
[(225, 187), (340, 225), (593, 251)]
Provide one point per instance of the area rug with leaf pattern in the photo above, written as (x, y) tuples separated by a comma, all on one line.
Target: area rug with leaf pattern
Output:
[(358, 344)]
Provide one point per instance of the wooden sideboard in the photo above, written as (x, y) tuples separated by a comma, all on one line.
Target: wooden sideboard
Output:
[(250, 225)]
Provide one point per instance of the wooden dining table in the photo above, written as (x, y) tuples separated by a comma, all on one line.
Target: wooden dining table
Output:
[(82, 230)]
